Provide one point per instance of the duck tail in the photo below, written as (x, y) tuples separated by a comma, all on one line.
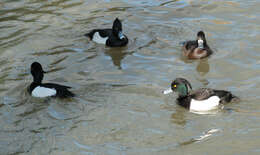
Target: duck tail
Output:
[(227, 96), (234, 98), (90, 34), (70, 94), (65, 94)]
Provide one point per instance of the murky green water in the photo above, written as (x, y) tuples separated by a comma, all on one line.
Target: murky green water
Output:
[(119, 109)]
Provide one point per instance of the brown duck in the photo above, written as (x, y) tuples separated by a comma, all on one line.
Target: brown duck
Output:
[(197, 49)]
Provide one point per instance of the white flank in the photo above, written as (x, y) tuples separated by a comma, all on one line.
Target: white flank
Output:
[(98, 39), (43, 92), (209, 104), (167, 91)]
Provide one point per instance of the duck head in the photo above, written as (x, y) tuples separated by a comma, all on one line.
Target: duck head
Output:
[(201, 39), (37, 72), (117, 29), (179, 85)]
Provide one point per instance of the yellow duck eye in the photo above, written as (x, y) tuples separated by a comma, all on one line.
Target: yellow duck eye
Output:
[(175, 86)]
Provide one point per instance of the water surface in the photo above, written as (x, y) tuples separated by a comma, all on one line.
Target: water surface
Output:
[(119, 109)]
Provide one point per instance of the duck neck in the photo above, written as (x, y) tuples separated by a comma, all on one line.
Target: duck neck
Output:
[(36, 81), (37, 78)]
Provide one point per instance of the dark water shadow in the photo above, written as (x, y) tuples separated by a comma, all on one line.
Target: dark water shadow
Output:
[(202, 67), (117, 55), (178, 117)]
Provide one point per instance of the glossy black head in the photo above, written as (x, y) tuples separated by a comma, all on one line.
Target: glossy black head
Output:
[(181, 86), (201, 35), (37, 72), (117, 29)]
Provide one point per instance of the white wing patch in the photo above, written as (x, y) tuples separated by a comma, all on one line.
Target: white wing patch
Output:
[(209, 104), (43, 92), (98, 39)]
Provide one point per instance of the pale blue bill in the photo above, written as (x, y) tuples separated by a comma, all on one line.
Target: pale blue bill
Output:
[(121, 35), (167, 91)]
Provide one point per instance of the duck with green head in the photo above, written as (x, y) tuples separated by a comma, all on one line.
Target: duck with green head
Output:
[(202, 99)]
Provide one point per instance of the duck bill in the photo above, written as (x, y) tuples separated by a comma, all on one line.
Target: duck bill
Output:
[(200, 43), (121, 35), (167, 91)]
